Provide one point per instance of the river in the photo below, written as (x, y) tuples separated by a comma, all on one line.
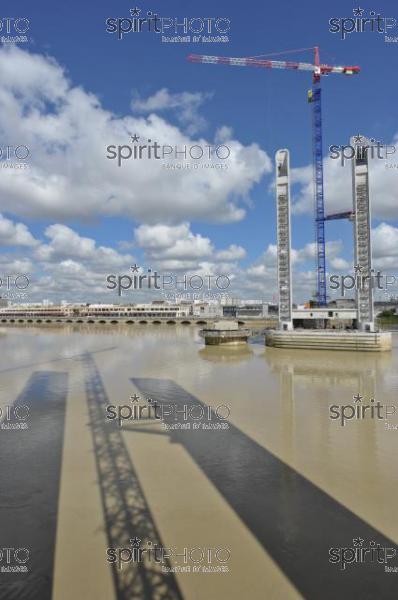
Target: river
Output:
[(138, 464)]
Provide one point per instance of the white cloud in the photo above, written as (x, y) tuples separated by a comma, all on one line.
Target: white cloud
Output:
[(339, 264), (73, 267), (15, 234), (68, 131), (309, 252), (338, 188), (70, 266), (10, 264), (185, 105), (67, 245), (158, 237), (385, 247), (176, 247), (234, 252), (165, 242), (385, 241)]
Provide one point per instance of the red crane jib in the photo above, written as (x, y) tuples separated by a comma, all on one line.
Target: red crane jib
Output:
[(274, 64)]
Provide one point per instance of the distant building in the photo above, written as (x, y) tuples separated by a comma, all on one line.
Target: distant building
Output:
[(229, 310), (253, 310), (95, 310), (207, 309)]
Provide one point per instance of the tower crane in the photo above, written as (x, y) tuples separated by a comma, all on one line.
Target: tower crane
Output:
[(314, 96)]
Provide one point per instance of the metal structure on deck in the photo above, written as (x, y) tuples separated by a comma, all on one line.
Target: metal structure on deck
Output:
[(314, 96)]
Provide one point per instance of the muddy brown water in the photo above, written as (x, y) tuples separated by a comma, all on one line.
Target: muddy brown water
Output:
[(243, 486)]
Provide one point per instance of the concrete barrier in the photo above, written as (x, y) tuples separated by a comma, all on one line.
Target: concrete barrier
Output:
[(356, 341)]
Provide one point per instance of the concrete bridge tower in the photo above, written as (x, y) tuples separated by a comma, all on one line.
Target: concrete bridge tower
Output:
[(362, 231), (284, 239)]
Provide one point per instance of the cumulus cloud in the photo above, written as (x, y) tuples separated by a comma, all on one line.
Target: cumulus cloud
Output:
[(70, 177), (234, 252), (15, 234), (67, 265), (165, 242), (178, 248), (338, 187), (340, 264), (66, 244), (73, 267), (10, 263), (309, 252), (184, 105), (385, 247), (385, 241)]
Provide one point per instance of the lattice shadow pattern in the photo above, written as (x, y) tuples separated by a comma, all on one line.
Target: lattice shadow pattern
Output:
[(126, 512)]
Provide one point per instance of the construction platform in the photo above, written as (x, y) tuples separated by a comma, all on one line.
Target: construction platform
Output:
[(353, 341)]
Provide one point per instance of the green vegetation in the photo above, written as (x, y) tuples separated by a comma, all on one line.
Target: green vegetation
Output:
[(387, 317)]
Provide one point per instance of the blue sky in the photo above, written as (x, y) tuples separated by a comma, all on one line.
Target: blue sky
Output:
[(260, 106)]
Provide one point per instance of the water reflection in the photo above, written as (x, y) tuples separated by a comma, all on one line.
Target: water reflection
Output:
[(226, 353), (309, 383), (125, 330), (357, 370), (294, 520), (285, 482)]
